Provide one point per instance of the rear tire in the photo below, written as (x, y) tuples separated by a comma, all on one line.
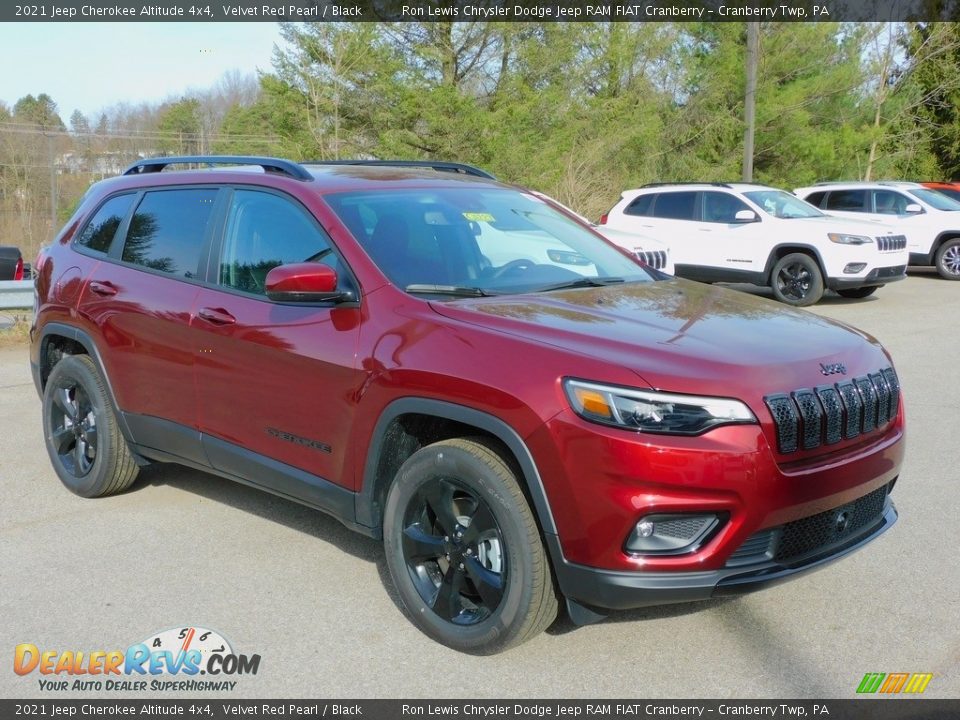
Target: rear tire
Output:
[(83, 439), (464, 549), (857, 293), (947, 259), (796, 280)]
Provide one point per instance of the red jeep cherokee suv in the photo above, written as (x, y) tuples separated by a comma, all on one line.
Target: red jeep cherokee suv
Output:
[(520, 410)]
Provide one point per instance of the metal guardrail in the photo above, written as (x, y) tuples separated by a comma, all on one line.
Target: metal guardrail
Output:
[(16, 294)]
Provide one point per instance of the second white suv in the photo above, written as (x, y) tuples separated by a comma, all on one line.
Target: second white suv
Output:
[(742, 232), (929, 219)]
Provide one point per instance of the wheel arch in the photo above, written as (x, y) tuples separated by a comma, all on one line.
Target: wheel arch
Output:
[(778, 252), (58, 340), (943, 237), (392, 444)]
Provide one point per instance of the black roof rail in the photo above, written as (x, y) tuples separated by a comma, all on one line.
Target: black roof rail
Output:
[(439, 165), (269, 164)]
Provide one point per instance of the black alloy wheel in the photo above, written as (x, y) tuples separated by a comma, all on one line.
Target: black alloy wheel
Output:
[(453, 549), (464, 550), (74, 428), (84, 442), (796, 280)]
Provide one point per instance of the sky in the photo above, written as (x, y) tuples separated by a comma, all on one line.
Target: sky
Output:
[(89, 66)]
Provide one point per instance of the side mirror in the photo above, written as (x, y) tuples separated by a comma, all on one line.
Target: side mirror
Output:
[(913, 209), (745, 216), (305, 283)]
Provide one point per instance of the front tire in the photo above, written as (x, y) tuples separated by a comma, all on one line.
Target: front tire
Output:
[(464, 549), (947, 259), (86, 448), (796, 280), (858, 293)]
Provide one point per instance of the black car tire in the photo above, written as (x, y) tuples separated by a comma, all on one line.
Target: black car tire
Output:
[(857, 293), (947, 259), (796, 280), (86, 447), (483, 593)]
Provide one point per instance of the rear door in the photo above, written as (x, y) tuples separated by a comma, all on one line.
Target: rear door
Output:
[(276, 382), (140, 296)]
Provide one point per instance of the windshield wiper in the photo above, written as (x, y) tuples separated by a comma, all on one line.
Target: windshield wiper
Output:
[(580, 283), (449, 290)]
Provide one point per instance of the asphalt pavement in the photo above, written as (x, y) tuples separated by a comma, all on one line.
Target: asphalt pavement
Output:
[(185, 549)]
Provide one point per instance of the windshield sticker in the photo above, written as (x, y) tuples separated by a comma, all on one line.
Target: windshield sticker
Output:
[(479, 217)]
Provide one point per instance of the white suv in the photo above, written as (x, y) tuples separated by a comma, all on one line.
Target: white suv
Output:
[(929, 219), (643, 247), (742, 232)]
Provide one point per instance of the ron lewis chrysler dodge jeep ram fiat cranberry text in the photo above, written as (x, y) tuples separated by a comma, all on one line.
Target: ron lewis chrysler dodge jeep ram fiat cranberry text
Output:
[(575, 427)]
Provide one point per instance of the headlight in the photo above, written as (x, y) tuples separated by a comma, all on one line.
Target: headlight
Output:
[(847, 239), (651, 411)]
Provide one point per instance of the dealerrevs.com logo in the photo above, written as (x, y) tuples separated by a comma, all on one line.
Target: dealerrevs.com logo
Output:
[(171, 660)]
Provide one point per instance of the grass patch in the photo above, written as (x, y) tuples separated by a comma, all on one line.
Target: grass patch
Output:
[(18, 333)]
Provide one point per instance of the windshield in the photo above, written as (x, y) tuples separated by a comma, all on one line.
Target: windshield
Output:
[(782, 204), (461, 240), (936, 199)]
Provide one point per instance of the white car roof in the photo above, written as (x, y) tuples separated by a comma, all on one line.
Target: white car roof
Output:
[(740, 187), (859, 184)]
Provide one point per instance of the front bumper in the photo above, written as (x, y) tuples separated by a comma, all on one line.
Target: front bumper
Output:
[(617, 590), (877, 276)]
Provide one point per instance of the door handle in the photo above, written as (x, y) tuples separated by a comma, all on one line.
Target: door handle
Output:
[(217, 316), (104, 289)]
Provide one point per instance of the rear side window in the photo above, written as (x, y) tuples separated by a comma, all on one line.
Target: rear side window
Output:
[(816, 198), (853, 200), (167, 230), (99, 232), (675, 206), (264, 231), (641, 206)]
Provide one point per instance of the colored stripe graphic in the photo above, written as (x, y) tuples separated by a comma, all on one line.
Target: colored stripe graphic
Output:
[(870, 682), (918, 682), (893, 683)]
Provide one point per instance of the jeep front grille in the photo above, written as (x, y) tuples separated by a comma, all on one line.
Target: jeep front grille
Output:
[(657, 259), (807, 418), (891, 243)]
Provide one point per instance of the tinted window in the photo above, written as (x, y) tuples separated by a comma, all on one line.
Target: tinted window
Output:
[(936, 199), (888, 202), (855, 200), (264, 231), (676, 206), (720, 207), (640, 206), (816, 198), (99, 232), (166, 232), (497, 240)]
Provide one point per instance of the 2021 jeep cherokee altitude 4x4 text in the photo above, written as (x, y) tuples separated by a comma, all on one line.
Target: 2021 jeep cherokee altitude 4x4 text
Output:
[(577, 427)]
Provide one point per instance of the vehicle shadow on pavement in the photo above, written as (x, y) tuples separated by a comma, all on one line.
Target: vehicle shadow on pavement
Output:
[(263, 504)]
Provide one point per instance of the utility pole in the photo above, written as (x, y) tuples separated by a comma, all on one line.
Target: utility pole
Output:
[(53, 185), (749, 100)]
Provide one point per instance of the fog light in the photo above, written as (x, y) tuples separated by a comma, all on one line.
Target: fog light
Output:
[(854, 268), (674, 534)]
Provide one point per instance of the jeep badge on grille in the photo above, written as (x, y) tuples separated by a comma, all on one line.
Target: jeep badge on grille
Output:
[(833, 368)]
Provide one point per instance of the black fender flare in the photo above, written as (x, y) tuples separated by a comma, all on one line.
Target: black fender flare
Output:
[(772, 259), (366, 499), (83, 339)]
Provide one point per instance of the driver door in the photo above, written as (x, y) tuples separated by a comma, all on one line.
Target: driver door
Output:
[(274, 381)]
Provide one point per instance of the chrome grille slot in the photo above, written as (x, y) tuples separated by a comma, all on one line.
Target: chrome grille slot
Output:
[(891, 243)]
